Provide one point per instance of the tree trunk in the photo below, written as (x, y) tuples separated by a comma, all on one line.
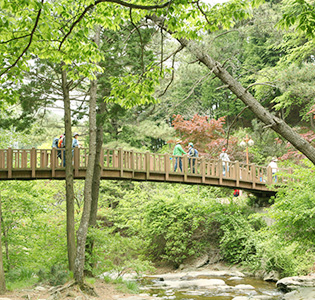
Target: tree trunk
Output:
[(96, 179), (248, 99), (83, 228), (2, 279), (97, 168), (69, 173)]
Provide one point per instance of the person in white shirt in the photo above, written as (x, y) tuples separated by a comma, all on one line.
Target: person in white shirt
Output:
[(225, 161), (274, 168)]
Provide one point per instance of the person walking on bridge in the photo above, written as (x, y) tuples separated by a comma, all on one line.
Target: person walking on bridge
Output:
[(192, 153), (178, 151), (225, 161)]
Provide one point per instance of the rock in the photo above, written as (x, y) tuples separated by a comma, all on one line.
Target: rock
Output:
[(272, 276), (236, 278), (244, 287), (40, 288), (300, 294), (288, 284), (197, 283), (194, 274), (240, 298)]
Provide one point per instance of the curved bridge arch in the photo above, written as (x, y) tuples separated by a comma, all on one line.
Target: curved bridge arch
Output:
[(33, 164)]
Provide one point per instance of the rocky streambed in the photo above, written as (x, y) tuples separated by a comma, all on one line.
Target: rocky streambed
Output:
[(224, 285), (209, 285)]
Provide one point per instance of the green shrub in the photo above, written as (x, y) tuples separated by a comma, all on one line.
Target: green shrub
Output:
[(57, 275)]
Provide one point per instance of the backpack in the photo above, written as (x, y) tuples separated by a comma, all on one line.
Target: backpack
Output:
[(55, 143), (236, 193), (61, 142), (195, 153)]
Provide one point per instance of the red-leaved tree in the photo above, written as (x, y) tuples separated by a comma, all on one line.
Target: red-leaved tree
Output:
[(207, 135)]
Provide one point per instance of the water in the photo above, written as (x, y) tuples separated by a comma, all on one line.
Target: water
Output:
[(203, 287)]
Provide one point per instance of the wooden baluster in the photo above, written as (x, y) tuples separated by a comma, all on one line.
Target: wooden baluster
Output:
[(185, 167), (102, 160), (9, 162), (147, 160), (237, 173), (132, 162), (24, 159), (121, 161), (53, 162), (33, 162), (203, 170), (1, 159), (269, 175), (167, 165), (108, 159), (253, 170), (220, 169), (76, 161)]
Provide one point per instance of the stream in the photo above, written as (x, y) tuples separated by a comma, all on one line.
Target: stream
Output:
[(209, 285)]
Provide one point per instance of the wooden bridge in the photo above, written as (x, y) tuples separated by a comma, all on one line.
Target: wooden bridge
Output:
[(33, 164)]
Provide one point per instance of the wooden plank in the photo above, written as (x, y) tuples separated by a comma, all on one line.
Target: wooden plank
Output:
[(253, 170), (76, 161), (237, 173), (33, 162), (9, 162), (148, 158), (53, 162), (167, 166)]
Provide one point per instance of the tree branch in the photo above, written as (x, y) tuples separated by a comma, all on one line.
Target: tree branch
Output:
[(193, 88), (228, 133), (259, 83), (29, 43), (140, 37), (122, 3)]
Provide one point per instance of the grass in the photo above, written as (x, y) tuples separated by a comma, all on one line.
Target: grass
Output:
[(21, 284), (125, 286)]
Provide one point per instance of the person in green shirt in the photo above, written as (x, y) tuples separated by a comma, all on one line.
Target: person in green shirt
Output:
[(178, 150)]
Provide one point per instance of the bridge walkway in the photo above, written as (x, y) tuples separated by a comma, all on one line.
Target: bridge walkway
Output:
[(33, 164)]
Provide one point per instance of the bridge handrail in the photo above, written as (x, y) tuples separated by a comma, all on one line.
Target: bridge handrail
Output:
[(128, 160)]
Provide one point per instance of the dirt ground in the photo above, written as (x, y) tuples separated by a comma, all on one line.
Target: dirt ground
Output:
[(104, 291)]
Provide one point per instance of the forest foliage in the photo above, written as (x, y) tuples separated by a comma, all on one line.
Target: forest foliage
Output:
[(154, 93)]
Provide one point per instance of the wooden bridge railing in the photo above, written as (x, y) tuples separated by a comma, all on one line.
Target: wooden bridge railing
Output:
[(32, 160)]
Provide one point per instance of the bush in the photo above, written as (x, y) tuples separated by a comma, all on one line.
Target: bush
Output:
[(57, 275)]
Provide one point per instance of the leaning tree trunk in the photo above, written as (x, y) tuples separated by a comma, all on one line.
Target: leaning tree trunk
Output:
[(69, 173), (244, 95), (2, 279), (84, 224)]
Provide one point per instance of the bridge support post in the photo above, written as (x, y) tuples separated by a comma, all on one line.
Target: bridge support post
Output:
[(237, 173), (203, 170), (253, 169), (269, 175), (53, 159), (9, 162), (220, 169), (167, 164), (147, 160), (121, 161), (76, 161), (185, 167), (132, 163), (33, 161)]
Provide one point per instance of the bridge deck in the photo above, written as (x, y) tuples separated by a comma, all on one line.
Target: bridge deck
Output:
[(32, 164)]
